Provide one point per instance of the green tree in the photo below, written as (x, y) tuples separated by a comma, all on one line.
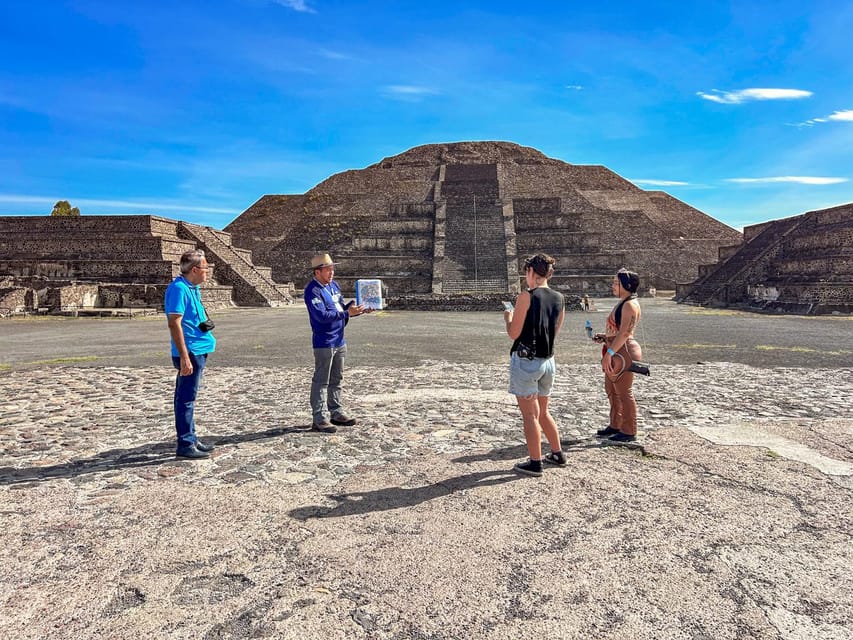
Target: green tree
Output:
[(64, 208)]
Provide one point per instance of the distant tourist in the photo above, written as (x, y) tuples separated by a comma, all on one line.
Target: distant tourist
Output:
[(585, 302), (192, 342), (620, 349), (533, 326), (328, 315)]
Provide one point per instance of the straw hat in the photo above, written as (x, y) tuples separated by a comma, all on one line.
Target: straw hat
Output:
[(322, 260)]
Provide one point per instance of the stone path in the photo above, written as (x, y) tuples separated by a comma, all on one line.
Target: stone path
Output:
[(106, 429)]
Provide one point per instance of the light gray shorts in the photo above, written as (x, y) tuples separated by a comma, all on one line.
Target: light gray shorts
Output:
[(531, 377)]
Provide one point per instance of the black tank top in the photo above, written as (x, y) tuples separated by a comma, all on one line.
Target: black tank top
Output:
[(540, 324)]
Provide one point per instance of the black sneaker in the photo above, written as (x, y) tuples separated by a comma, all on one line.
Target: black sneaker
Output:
[(529, 468), (204, 446), (343, 420), (557, 458), (607, 432), (323, 427), (622, 437)]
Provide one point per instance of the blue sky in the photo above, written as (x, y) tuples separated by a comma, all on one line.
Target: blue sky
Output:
[(194, 110)]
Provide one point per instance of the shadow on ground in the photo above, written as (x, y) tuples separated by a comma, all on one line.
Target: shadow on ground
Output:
[(145, 455)]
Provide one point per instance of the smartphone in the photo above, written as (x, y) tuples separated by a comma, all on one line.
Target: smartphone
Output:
[(508, 306)]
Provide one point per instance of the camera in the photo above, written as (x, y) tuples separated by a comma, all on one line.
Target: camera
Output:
[(207, 325), (523, 351), (640, 367)]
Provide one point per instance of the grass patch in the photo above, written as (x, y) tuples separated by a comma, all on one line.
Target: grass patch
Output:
[(773, 454), (258, 347), (705, 346), (4, 366), (770, 347), (69, 360)]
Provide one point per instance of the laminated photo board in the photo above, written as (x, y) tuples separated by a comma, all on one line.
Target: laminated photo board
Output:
[(369, 293)]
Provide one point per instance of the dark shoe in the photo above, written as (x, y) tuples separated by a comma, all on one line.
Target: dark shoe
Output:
[(343, 421), (192, 452), (201, 446), (557, 458), (323, 427), (622, 437), (529, 468), (604, 433)]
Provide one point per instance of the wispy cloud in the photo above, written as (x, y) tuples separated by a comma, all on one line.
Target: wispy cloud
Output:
[(660, 183), (333, 55), (296, 5), (574, 87), (796, 179), (148, 207), (748, 95), (408, 92), (837, 116)]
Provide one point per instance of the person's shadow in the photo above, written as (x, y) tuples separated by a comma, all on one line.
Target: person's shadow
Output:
[(361, 502), (146, 455)]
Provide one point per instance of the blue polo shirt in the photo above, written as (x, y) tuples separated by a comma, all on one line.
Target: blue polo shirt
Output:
[(327, 312), (184, 298)]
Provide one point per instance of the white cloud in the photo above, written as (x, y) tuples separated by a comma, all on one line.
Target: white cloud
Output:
[(147, 207), (747, 95), (296, 5), (837, 116), (660, 183), (795, 179), (576, 87), (408, 92)]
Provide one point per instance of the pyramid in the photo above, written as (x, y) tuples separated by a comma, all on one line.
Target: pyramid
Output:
[(460, 217)]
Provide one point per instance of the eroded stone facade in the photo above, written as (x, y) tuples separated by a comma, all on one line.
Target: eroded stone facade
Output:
[(68, 264), (461, 217), (802, 264)]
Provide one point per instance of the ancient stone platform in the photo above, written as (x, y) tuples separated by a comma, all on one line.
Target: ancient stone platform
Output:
[(730, 518)]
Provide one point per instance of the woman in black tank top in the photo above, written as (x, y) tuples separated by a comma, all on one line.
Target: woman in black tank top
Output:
[(533, 326)]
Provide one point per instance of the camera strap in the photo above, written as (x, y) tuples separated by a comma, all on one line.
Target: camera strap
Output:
[(197, 304)]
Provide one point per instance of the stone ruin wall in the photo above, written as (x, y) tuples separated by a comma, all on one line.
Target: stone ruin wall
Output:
[(88, 262)]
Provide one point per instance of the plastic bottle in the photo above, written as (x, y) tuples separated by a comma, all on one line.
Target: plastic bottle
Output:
[(588, 328)]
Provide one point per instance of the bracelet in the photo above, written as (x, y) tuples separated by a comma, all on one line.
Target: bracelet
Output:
[(611, 351)]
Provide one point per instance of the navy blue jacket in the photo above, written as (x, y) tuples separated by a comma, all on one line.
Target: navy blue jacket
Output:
[(327, 312)]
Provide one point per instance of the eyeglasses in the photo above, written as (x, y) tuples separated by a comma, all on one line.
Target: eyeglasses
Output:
[(202, 268)]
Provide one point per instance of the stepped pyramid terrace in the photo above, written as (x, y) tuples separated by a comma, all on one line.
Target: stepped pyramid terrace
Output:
[(76, 264), (802, 264), (460, 218)]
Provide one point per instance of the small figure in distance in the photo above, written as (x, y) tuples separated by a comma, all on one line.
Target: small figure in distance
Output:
[(328, 316), (585, 302), (533, 326), (619, 350)]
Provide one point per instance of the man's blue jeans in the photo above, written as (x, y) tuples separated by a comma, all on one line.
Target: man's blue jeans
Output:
[(186, 390), (326, 383)]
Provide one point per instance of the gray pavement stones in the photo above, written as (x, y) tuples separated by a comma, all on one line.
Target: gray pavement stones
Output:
[(731, 517)]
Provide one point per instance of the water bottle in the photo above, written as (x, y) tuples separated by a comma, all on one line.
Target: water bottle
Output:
[(588, 328)]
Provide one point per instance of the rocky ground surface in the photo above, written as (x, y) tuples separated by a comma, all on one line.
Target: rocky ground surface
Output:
[(730, 518)]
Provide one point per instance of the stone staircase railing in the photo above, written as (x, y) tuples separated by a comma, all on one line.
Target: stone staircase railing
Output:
[(251, 286)]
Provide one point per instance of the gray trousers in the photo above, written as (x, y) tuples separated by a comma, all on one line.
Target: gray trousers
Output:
[(326, 383)]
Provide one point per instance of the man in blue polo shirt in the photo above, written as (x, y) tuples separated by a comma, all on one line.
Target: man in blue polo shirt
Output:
[(192, 343), (328, 315)]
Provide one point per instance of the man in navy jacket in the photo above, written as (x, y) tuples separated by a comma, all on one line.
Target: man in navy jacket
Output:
[(329, 315)]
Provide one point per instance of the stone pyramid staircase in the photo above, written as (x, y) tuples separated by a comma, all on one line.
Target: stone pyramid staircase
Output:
[(728, 282), (252, 285)]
